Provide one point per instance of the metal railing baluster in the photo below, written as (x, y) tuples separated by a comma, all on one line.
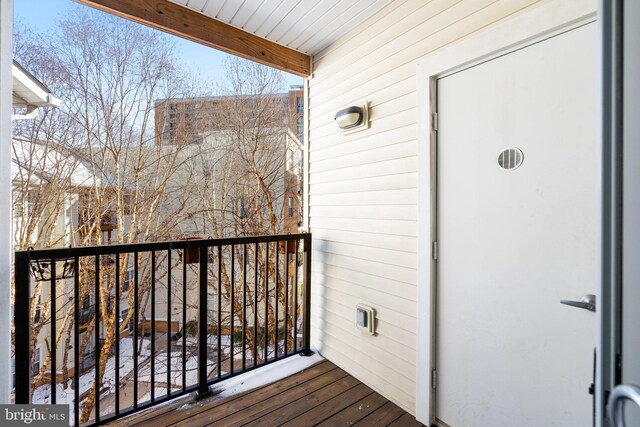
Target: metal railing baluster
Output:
[(97, 339), (256, 270), (266, 304), (169, 329), (117, 313), (295, 301), (136, 316), (232, 314), (277, 296), (203, 387), (145, 271), (219, 343), (153, 326), (184, 320), (306, 336), (76, 342), (286, 299), (244, 307), (22, 325), (54, 349)]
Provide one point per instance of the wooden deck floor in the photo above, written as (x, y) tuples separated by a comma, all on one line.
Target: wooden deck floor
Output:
[(322, 395)]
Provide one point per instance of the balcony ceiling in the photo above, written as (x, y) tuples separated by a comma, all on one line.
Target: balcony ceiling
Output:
[(280, 33), (308, 26)]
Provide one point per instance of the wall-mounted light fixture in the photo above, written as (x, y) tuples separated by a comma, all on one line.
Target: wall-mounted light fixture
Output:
[(352, 119)]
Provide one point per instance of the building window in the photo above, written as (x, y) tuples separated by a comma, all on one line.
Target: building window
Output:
[(291, 160), (36, 361), (127, 202), (128, 280), (290, 207), (300, 102), (300, 128), (27, 206), (123, 315), (18, 207), (38, 313), (211, 299), (243, 209)]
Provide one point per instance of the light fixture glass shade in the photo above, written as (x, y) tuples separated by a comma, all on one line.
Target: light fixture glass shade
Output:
[(349, 117)]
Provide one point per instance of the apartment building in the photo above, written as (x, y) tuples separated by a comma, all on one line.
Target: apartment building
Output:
[(188, 120)]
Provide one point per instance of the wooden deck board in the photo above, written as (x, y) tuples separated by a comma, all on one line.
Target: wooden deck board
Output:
[(355, 412), (406, 420), (383, 416), (255, 409), (321, 395), (247, 398), (334, 405)]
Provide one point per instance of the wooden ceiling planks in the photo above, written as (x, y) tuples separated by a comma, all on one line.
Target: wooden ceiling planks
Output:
[(181, 21)]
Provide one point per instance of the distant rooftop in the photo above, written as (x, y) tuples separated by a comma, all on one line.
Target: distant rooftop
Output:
[(221, 97)]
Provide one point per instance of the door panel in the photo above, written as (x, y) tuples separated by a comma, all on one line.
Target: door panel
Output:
[(513, 243), (631, 205)]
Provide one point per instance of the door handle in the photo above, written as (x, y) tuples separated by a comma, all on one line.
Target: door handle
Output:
[(618, 396), (588, 302)]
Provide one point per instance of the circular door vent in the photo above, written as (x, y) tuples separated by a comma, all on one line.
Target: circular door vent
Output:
[(510, 158)]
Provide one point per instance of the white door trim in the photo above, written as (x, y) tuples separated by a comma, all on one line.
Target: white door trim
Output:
[(6, 236), (535, 24)]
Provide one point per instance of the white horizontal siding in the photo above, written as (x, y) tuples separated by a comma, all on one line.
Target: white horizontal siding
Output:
[(406, 212), (394, 387), (369, 281), (400, 163), (383, 139), (398, 150), (363, 186), (390, 182), (393, 274), (396, 334)]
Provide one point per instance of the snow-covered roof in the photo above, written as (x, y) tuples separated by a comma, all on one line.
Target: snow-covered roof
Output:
[(40, 162)]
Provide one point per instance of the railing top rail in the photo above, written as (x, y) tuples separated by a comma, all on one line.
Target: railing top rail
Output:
[(42, 254)]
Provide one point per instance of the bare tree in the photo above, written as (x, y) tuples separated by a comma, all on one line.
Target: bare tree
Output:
[(233, 182), (108, 71), (241, 168)]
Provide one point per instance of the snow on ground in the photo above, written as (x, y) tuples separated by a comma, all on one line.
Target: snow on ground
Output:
[(42, 394), (212, 340), (160, 373), (126, 362), (65, 393), (266, 375), (160, 392)]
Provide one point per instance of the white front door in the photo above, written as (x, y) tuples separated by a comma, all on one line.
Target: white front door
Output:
[(514, 241)]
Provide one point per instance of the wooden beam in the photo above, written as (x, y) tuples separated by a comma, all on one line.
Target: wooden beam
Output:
[(184, 22)]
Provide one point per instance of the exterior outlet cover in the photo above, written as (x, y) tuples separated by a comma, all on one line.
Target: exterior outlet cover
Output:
[(366, 318)]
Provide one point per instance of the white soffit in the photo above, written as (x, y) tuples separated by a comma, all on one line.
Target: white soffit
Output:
[(308, 26), (27, 90)]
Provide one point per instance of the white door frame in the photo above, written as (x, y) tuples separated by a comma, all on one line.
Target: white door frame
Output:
[(535, 24), (6, 241)]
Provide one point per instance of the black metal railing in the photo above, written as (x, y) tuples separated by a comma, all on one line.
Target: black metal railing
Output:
[(202, 311)]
